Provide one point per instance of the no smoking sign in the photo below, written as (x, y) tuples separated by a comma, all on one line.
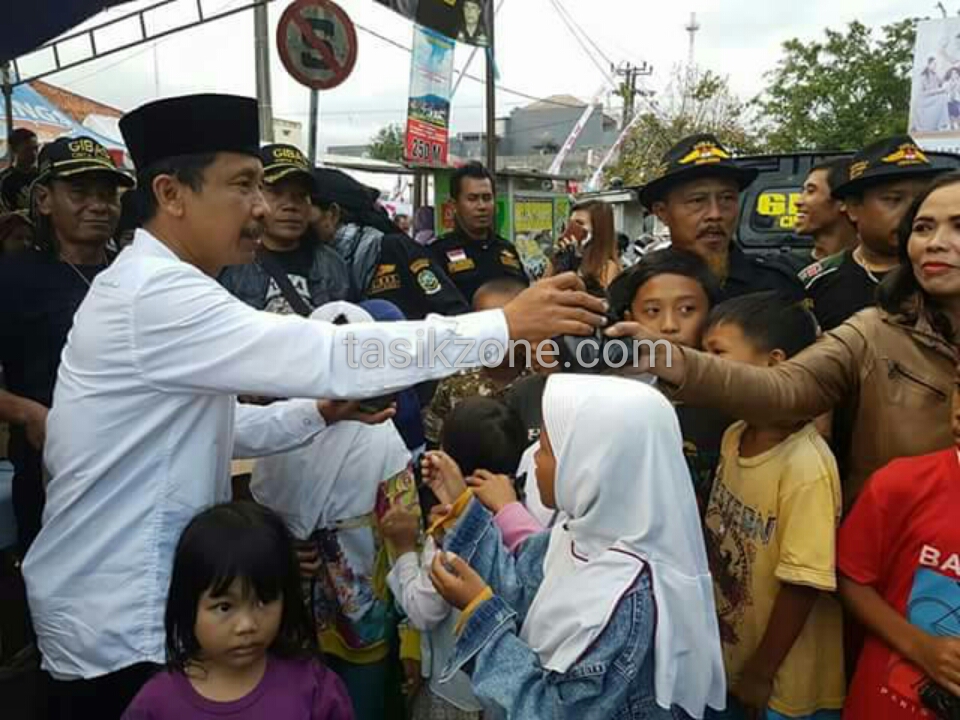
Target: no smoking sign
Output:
[(317, 43)]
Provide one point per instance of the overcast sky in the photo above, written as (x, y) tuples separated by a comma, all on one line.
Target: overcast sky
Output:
[(536, 54)]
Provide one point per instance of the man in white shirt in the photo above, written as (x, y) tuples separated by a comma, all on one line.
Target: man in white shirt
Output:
[(145, 421)]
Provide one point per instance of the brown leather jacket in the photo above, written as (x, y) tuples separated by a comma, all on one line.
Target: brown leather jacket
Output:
[(889, 379)]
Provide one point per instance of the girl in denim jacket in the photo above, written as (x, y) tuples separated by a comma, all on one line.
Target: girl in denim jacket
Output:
[(610, 614)]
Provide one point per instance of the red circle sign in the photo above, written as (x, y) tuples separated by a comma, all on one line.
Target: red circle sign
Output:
[(317, 43)]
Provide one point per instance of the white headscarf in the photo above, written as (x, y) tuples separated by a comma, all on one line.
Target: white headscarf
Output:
[(336, 476), (624, 487)]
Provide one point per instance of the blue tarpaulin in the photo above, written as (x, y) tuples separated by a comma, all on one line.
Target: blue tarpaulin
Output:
[(33, 110), (28, 24)]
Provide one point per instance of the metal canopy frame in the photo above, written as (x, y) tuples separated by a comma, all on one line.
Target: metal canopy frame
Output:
[(53, 47), (10, 75)]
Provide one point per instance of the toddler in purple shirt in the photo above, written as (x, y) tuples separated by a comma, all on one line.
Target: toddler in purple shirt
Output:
[(239, 640)]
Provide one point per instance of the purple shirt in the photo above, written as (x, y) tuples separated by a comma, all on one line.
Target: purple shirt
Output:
[(289, 689)]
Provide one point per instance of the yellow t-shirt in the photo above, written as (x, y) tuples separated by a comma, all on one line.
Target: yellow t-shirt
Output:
[(772, 519)]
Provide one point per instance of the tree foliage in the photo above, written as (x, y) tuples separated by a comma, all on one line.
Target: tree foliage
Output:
[(839, 93), (387, 144), (695, 101)]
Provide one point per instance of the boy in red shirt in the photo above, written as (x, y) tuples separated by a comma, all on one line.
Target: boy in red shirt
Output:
[(899, 558)]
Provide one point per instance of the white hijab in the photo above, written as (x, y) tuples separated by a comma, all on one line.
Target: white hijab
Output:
[(624, 487), (336, 476)]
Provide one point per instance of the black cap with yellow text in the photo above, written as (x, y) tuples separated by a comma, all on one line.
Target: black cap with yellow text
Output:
[(887, 160), (282, 161), (70, 157)]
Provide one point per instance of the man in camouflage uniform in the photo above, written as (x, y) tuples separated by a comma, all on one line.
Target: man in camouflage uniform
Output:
[(484, 382)]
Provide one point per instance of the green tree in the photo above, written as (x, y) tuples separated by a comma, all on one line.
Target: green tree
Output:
[(695, 101), (839, 93), (387, 144)]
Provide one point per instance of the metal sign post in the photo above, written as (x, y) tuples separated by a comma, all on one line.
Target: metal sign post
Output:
[(314, 126), (318, 47)]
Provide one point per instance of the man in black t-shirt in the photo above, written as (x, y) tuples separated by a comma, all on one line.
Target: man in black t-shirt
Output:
[(883, 179), (315, 274), (77, 209), (16, 180), (473, 254)]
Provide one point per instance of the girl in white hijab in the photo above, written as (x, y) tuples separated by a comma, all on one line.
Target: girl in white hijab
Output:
[(610, 614)]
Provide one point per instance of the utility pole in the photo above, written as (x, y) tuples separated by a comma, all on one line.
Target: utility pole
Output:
[(491, 102), (628, 88), (261, 38)]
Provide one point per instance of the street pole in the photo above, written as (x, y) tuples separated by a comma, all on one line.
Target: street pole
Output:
[(491, 101), (8, 98), (314, 123), (261, 37)]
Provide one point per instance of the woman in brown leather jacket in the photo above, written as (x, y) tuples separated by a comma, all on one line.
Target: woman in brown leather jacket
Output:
[(888, 372)]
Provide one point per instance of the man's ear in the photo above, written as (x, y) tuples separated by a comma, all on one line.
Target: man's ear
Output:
[(660, 210), (43, 197), (853, 207), (776, 357), (169, 194)]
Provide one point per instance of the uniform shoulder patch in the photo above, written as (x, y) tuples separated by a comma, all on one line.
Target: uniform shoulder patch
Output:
[(817, 270)]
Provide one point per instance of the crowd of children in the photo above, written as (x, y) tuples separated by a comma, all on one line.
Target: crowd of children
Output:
[(685, 565)]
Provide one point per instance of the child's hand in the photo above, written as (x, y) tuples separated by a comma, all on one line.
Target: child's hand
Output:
[(494, 491), (309, 559), (455, 580), (402, 528), (412, 677), (442, 475), (939, 658), (753, 690)]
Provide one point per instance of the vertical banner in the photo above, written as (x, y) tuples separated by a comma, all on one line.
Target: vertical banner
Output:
[(935, 86), (428, 110)]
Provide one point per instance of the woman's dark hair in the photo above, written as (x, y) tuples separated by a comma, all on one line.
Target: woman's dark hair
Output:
[(603, 246), (245, 541), (769, 320), (899, 292), (481, 433), (188, 169), (669, 261)]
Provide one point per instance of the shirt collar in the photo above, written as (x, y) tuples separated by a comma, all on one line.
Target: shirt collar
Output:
[(145, 243)]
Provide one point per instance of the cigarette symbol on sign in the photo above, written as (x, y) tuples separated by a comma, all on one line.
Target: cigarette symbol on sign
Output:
[(314, 59)]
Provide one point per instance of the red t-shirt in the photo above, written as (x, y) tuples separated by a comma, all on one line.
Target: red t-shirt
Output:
[(902, 538)]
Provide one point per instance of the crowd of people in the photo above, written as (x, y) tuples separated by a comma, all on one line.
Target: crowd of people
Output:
[(758, 528)]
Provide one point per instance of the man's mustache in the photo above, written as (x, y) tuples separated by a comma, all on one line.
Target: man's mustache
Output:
[(253, 232)]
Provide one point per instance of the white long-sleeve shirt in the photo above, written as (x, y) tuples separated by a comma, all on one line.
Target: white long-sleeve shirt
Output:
[(144, 424)]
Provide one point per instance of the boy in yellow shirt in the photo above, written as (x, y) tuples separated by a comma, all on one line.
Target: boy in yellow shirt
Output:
[(771, 526)]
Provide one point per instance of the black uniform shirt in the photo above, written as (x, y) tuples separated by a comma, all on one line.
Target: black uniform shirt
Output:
[(757, 273), (839, 287), (471, 263)]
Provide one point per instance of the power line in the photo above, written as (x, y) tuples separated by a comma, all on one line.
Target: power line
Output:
[(576, 36), (560, 6)]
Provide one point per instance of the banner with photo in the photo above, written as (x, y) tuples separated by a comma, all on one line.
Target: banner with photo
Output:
[(465, 21), (935, 87), (428, 109)]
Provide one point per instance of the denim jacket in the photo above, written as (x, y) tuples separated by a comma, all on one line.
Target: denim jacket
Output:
[(329, 280), (612, 681)]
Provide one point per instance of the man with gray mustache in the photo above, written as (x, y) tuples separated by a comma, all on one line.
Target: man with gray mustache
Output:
[(696, 193)]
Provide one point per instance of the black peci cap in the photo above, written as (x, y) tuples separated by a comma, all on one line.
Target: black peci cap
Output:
[(282, 161), (694, 157), (71, 157), (893, 158), (334, 186), (191, 125)]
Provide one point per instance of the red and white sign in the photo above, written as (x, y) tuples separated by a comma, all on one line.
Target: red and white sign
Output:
[(317, 43)]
